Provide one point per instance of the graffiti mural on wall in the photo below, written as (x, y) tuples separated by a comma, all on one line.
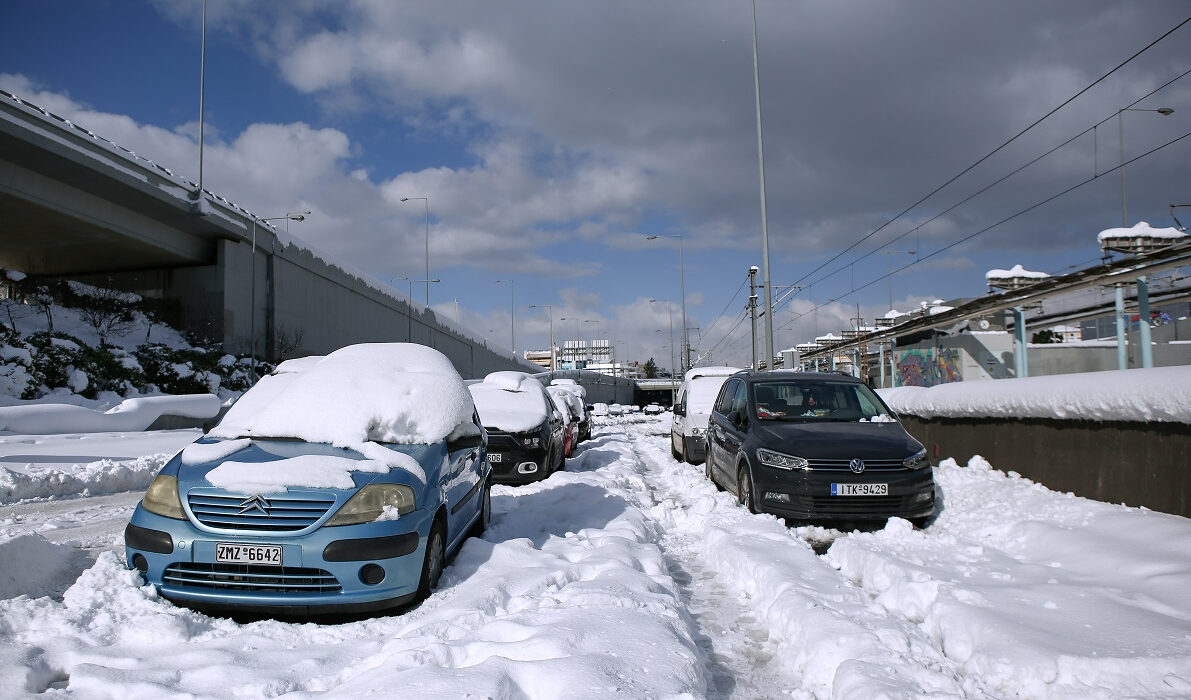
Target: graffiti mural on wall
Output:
[(929, 367)]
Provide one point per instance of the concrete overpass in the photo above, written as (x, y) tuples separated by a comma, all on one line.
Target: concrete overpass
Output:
[(73, 204)]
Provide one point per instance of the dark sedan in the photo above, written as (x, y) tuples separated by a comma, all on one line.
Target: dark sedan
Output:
[(816, 447)]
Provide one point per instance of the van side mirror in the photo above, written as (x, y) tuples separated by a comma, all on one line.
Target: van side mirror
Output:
[(678, 410)]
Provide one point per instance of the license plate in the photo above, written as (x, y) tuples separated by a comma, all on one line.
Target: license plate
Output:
[(860, 489), (495, 457), (268, 554)]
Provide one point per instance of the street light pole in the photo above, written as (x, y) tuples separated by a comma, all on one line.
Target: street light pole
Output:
[(1164, 111), (290, 216), (425, 200), (512, 334), (889, 277), (550, 313), (685, 355), (409, 318), (764, 217)]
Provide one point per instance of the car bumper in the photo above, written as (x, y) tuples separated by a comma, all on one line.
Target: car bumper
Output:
[(694, 448), (514, 464), (808, 495), (322, 571)]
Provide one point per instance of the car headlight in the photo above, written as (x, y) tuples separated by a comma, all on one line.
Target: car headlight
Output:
[(369, 504), (698, 432), (532, 441), (778, 460), (916, 460), (162, 498)]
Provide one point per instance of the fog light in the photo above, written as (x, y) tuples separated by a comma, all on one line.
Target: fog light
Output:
[(141, 564), (372, 574), (779, 497), (924, 496), (527, 467)]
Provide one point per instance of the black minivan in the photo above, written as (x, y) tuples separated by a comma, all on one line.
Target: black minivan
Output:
[(818, 447)]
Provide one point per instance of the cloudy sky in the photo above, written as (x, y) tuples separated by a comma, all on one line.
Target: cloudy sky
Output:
[(551, 138)]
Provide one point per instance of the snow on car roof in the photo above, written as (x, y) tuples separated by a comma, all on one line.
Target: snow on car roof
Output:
[(694, 372), (378, 392), (509, 401)]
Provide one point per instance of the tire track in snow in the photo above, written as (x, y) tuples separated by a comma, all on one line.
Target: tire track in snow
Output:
[(836, 638)]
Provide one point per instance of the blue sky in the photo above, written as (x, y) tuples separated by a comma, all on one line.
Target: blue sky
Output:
[(551, 138)]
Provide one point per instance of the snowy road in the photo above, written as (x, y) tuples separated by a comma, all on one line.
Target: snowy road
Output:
[(629, 575)]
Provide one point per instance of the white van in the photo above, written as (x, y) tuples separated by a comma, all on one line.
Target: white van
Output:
[(692, 409)]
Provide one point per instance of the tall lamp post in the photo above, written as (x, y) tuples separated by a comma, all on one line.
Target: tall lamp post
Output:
[(1164, 111), (549, 312), (290, 216), (512, 333), (670, 313), (890, 275), (765, 279), (409, 318), (426, 200), (685, 355)]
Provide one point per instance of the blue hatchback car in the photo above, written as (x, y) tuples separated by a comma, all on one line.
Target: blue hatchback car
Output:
[(338, 484)]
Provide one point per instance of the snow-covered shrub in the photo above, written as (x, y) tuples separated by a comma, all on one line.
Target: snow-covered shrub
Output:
[(61, 360)]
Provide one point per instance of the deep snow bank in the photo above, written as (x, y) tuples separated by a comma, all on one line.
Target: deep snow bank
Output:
[(131, 414)]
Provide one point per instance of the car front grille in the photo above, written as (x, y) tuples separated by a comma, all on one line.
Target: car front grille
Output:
[(853, 505), (250, 577), (842, 465), (283, 512)]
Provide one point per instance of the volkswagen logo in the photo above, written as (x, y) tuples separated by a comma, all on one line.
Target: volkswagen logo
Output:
[(256, 502), (856, 465)]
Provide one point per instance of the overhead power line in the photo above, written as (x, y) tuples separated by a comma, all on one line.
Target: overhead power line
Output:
[(995, 150)]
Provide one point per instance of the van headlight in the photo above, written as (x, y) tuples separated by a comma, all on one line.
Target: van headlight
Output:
[(162, 498), (777, 460), (698, 432), (916, 460), (369, 504)]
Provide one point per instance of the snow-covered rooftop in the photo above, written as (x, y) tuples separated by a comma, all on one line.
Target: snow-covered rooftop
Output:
[(1015, 272), (1140, 229)]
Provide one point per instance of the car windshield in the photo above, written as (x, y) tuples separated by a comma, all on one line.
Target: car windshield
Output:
[(816, 400)]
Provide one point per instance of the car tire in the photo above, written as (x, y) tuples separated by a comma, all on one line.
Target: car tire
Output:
[(707, 472), (744, 489), (674, 450), (436, 557), (686, 455), (481, 525)]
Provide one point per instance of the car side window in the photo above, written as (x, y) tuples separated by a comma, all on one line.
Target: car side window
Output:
[(723, 402), (740, 400)]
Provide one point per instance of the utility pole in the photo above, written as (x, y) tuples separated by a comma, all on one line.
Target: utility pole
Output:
[(753, 311)]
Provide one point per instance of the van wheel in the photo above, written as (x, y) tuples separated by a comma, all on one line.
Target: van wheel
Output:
[(744, 489), (674, 450), (432, 565)]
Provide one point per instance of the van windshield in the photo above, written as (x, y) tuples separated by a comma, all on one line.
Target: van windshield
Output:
[(811, 400)]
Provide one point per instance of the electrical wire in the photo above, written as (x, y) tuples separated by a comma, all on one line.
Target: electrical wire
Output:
[(994, 151)]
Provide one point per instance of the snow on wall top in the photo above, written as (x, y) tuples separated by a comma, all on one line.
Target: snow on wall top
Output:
[(1158, 394), (378, 392), (1141, 228)]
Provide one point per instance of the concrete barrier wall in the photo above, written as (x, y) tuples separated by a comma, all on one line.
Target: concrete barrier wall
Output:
[(1139, 464)]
